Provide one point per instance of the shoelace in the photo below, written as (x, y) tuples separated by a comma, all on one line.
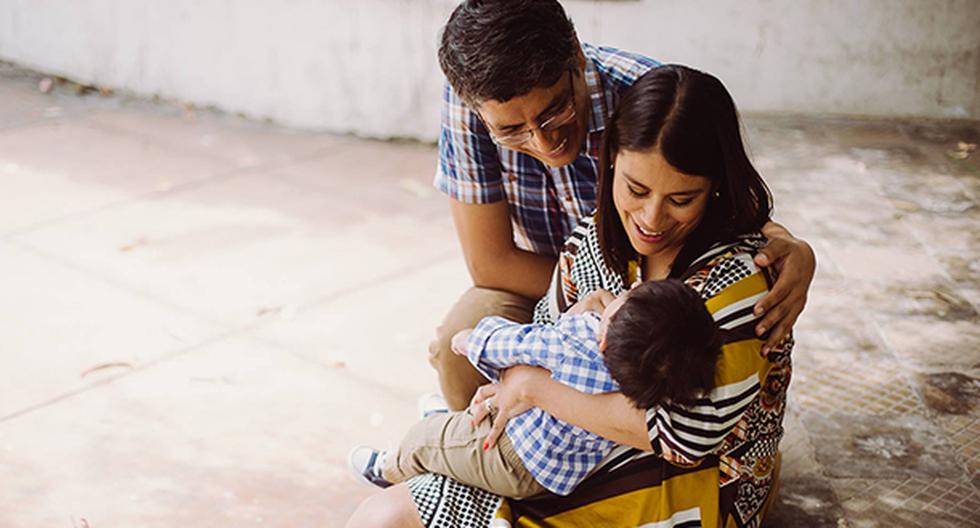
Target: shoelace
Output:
[(376, 463)]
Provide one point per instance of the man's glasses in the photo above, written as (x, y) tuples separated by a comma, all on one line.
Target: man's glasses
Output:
[(560, 119)]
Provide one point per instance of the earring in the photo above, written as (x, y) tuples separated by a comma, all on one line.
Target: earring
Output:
[(717, 194)]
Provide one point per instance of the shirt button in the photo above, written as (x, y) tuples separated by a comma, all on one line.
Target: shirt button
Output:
[(512, 178)]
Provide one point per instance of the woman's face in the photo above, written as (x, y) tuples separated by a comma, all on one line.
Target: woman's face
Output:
[(658, 205)]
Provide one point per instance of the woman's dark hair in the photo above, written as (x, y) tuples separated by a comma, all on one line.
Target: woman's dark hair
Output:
[(690, 119), (662, 344), (501, 49)]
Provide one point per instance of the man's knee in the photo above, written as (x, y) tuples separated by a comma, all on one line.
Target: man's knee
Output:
[(457, 377), (444, 360), (439, 347), (473, 305)]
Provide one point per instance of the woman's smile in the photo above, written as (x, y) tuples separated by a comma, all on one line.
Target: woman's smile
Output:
[(649, 236), (659, 206)]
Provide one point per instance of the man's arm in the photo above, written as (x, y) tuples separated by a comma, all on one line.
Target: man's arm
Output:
[(487, 239)]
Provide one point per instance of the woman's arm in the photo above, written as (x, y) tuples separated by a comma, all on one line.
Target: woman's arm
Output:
[(608, 415), (613, 417)]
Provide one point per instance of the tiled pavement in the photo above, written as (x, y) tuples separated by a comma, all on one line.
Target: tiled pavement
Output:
[(201, 314)]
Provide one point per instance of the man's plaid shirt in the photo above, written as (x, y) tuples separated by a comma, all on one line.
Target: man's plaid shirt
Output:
[(546, 203), (558, 454)]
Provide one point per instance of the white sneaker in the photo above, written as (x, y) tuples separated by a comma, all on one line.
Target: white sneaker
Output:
[(365, 463)]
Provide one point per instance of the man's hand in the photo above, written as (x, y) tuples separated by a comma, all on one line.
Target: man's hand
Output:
[(593, 302), (795, 263), (458, 342)]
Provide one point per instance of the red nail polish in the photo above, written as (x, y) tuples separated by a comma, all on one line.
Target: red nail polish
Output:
[(486, 445)]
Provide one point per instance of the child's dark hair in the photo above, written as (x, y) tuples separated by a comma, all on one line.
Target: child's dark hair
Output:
[(662, 344)]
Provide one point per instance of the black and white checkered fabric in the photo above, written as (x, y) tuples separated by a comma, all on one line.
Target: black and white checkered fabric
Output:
[(442, 502), (727, 272), (588, 273)]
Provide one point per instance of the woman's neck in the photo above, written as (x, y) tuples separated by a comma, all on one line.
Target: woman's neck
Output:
[(657, 266)]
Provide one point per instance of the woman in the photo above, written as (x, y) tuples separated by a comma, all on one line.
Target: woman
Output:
[(678, 197)]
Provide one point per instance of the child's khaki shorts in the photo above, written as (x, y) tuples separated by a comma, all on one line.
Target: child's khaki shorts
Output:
[(448, 444)]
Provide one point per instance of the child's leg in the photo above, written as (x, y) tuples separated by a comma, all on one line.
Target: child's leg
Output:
[(448, 444)]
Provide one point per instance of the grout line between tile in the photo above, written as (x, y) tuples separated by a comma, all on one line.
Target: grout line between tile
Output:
[(110, 379), (152, 195), (168, 145), (229, 332)]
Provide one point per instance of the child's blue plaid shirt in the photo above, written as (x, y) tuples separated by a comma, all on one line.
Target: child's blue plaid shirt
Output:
[(558, 454), (546, 203)]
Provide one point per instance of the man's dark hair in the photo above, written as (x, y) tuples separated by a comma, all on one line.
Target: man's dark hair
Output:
[(501, 49), (690, 119), (662, 345)]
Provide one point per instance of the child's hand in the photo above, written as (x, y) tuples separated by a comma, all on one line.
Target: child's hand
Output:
[(593, 302), (458, 343)]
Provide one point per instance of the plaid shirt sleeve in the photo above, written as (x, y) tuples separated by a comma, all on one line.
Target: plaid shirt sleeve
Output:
[(497, 343), (570, 350), (469, 164), (581, 366)]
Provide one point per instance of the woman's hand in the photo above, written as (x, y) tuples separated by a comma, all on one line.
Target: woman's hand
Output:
[(510, 398), (593, 302), (795, 264)]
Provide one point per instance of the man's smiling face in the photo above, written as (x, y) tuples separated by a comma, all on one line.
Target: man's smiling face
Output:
[(549, 123)]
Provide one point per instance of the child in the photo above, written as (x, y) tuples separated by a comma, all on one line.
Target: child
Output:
[(653, 343)]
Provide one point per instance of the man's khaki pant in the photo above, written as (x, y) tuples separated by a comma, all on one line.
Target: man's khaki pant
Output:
[(449, 444), (457, 377)]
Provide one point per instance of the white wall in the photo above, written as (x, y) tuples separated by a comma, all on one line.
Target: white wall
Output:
[(369, 66), (864, 57)]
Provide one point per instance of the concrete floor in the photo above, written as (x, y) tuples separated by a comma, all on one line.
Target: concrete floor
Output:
[(202, 314)]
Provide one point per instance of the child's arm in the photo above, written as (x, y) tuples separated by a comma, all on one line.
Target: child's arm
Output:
[(497, 343)]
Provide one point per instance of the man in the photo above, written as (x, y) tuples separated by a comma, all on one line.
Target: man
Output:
[(524, 109)]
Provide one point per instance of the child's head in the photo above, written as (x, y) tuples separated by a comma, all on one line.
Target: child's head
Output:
[(660, 343)]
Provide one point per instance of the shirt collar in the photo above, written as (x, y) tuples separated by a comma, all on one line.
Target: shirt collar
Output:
[(597, 95), (593, 321), (590, 320)]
